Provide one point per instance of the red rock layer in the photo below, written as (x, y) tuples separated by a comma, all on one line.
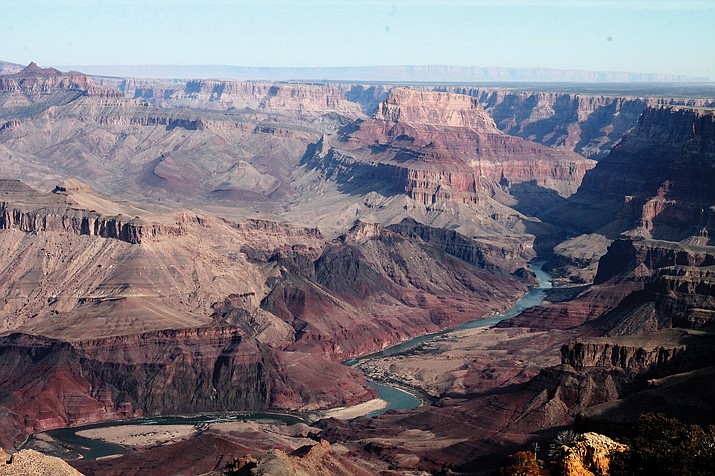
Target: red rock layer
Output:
[(399, 284), (440, 147), (50, 384)]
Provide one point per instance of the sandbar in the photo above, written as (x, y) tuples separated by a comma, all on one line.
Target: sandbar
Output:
[(139, 436), (346, 413)]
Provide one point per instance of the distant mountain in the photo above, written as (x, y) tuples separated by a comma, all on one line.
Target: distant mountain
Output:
[(429, 73), (9, 68)]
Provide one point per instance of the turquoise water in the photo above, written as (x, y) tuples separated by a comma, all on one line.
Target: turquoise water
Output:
[(396, 399), (400, 400), (533, 298), (92, 449)]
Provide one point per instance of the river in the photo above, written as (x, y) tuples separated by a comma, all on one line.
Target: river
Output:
[(396, 398), (399, 399)]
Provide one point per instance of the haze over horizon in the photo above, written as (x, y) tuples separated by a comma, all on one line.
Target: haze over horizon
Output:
[(661, 37)]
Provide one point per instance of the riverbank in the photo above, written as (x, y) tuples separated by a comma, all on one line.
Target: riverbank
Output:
[(394, 390), (140, 436), (354, 411)]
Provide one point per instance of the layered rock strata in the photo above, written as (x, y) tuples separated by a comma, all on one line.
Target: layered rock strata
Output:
[(52, 384), (656, 180), (28, 211), (438, 147), (585, 123)]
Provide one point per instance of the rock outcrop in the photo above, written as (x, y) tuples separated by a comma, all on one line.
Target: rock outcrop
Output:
[(32, 463), (590, 455), (447, 141), (26, 210), (33, 80), (656, 181), (400, 284), (304, 101), (483, 254), (654, 361)]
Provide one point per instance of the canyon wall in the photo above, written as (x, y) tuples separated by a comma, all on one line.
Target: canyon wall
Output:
[(49, 384), (440, 147), (589, 124)]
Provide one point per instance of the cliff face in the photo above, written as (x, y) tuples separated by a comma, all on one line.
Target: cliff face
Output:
[(439, 109), (640, 259), (28, 211), (441, 147), (677, 282), (480, 253), (306, 101), (131, 230), (34, 80), (656, 180), (588, 124), (401, 285), (51, 384), (634, 360)]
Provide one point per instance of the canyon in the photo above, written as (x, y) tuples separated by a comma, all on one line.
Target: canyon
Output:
[(177, 247)]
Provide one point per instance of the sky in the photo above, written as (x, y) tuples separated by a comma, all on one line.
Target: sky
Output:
[(649, 36)]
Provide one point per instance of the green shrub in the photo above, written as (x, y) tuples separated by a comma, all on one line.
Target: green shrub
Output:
[(663, 446)]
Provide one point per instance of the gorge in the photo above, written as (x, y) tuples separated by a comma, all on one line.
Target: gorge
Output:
[(213, 246)]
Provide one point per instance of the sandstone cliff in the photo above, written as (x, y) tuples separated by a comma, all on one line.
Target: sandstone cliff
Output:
[(683, 355), (52, 384), (32, 212), (27, 86), (305, 101)]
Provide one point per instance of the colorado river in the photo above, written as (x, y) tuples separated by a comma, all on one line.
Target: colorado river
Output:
[(91, 448), (396, 398)]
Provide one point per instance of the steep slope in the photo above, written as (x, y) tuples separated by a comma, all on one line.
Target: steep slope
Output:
[(655, 183), (9, 68), (51, 384), (587, 123), (444, 147), (373, 287), (500, 389), (94, 319)]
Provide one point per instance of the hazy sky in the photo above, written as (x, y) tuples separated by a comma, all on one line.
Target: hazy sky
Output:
[(656, 36)]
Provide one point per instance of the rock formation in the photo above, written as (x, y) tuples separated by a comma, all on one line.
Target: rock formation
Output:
[(303, 101), (401, 284), (590, 455), (589, 124), (443, 147), (54, 384), (653, 184), (32, 463), (33, 81), (47, 213), (656, 179), (250, 235)]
